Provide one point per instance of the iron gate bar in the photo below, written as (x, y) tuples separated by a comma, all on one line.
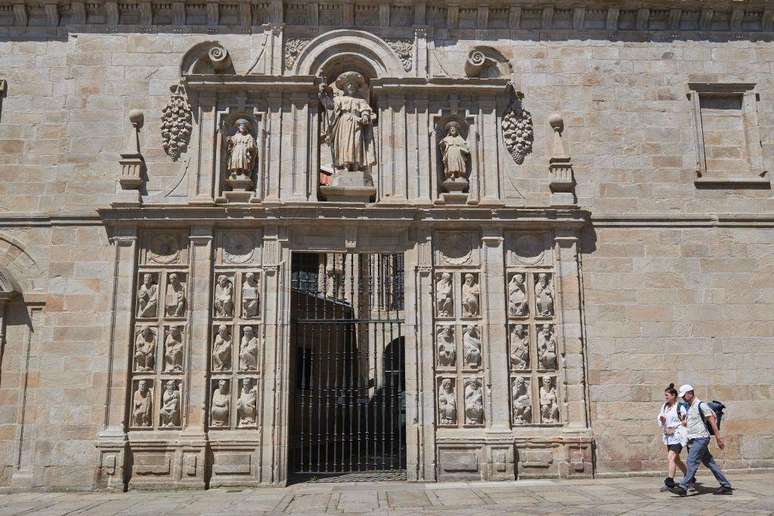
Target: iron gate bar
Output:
[(347, 335)]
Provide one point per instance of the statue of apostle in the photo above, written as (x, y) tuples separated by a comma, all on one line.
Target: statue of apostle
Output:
[(242, 150), (348, 124), (455, 151)]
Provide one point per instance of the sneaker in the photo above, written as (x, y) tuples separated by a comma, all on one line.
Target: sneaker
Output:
[(669, 482), (678, 490), (723, 491)]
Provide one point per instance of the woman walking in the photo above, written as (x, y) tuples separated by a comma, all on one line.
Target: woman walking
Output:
[(673, 432)]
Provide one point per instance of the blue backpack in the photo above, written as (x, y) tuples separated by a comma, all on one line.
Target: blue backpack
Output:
[(718, 408)]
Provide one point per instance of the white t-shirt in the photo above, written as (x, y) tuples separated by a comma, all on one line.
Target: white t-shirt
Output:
[(673, 432), (696, 428)]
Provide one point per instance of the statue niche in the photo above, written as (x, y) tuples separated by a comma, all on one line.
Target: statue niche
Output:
[(241, 157), (454, 158), (347, 134)]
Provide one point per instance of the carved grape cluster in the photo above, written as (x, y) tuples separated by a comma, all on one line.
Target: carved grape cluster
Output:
[(518, 131), (176, 122)]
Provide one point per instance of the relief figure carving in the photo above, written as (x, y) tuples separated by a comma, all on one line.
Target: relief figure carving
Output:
[(348, 121), (145, 349), (175, 297), (549, 404), (250, 297), (447, 403), (444, 303), (242, 151), (246, 403), (224, 297), (173, 350), (519, 347), (248, 350), (221, 349), (220, 405), (455, 154), (142, 405), (471, 345), (522, 401), (518, 303), (471, 293), (447, 349), (169, 413), (544, 295), (546, 347), (474, 403), (147, 297)]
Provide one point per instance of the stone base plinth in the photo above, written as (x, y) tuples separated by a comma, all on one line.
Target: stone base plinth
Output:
[(349, 186)]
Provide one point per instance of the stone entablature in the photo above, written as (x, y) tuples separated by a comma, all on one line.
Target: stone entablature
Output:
[(517, 15)]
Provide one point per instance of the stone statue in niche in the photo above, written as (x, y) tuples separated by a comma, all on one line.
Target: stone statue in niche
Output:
[(169, 413), (175, 298), (241, 148), (145, 349), (147, 297), (549, 404), (221, 349), (455, 153), (444, 303), (470, 296), (519, 347), (518, 303), (142, 405), (474, 403), (546, 347), (250, 296), (224, 297), (347, 122), (221, 399), (248, 350), (447, 349), (246, 404), (471, 346), (544, 295), (447, 403), (522, 401), (173, 350)]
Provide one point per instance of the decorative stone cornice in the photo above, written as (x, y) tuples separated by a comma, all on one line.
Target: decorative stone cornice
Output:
[(747, 16)]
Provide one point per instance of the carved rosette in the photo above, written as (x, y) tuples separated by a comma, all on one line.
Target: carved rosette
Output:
[(518, 131), (176, 123), (405, 52), (293, 49)]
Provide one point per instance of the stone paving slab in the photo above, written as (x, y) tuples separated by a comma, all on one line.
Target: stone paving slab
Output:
[(630, 496)]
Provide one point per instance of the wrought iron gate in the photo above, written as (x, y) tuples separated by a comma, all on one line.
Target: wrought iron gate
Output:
[(346, 324)]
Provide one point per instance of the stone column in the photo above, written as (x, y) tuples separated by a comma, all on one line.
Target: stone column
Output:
[(577, 433), (499, 440), (487, 122), (420, 382), (111, 471), (193, 438)]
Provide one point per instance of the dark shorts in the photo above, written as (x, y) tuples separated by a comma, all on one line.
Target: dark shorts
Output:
[(677, 448)]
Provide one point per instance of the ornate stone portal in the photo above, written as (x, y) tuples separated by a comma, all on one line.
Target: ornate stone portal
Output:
[(285, 162)]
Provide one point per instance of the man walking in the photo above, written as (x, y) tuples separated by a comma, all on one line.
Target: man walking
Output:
[(698, 442)]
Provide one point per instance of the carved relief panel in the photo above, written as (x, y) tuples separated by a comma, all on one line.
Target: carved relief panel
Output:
[(236, 342), (459, 330), (160, 330), (534, 354)]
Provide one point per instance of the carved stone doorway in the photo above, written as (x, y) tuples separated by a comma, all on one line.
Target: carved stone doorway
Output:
[(348, 406)]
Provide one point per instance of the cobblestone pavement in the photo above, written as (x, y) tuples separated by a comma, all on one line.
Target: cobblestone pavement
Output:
[(754, 494)]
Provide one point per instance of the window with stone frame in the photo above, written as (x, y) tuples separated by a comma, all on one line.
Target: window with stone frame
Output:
[(159, 339), (728, 143), (533, 348), (237, 334)]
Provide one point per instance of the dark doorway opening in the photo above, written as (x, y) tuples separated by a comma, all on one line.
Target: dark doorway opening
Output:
[(348, 406)]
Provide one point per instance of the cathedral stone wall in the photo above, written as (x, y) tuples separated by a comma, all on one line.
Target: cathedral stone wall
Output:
[(674, 267)]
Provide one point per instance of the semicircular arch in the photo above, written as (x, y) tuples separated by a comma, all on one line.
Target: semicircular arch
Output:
[(361, 48)]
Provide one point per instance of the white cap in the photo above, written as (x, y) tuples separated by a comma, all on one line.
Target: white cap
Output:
[(683, 389)]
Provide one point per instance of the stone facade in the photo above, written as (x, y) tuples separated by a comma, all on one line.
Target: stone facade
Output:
[(579, 193)]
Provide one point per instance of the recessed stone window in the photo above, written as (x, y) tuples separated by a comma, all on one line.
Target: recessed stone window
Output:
[(728, 143)]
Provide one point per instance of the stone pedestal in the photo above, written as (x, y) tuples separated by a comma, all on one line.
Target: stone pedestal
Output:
[(350, 186), (241, 189)]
